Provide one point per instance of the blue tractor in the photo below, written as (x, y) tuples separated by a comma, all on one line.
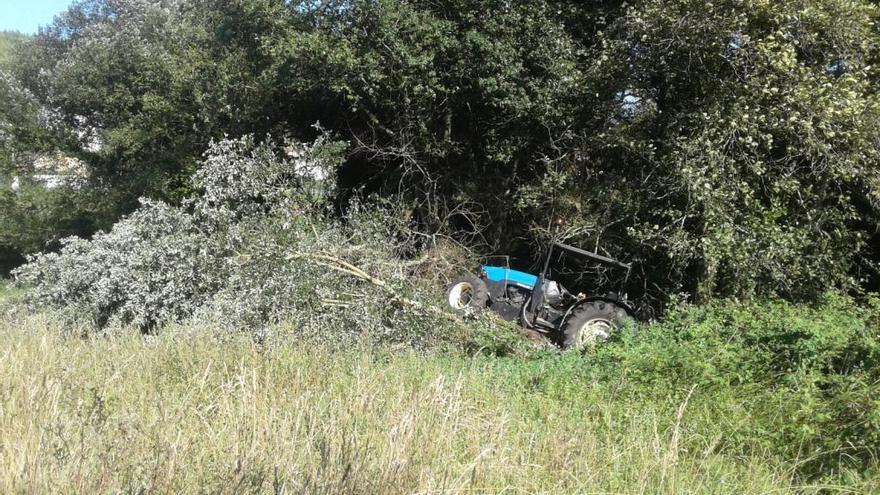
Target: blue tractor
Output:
[(544, 305)]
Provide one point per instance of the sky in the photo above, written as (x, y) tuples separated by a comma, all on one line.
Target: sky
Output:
[(27, 15)]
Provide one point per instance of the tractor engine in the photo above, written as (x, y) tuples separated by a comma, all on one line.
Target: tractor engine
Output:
[(554, 293)]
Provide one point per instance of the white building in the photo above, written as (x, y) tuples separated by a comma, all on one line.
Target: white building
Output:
[(54, 171)]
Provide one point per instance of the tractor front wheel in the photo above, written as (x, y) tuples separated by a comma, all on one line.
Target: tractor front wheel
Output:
[(592, 323), (467, 294)]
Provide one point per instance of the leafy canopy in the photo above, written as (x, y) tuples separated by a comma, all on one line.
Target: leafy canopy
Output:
[(726, 148)]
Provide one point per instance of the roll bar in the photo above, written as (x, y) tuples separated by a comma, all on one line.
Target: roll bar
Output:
[(598, 257), (537, 298)]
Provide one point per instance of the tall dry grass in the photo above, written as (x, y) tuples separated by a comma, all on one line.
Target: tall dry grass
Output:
[(186, 412)]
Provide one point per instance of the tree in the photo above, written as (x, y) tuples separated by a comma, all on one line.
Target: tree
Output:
[(728, 148), (754, 149), (8, 41)]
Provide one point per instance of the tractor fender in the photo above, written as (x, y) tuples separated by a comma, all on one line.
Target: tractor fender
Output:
[(617, 302)]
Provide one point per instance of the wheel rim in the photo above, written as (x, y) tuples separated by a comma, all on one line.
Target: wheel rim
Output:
[(461, 295), (594, 331)]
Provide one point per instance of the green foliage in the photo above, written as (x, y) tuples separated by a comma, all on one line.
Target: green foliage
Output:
[(228, 414), (804, 378), (764, 151), (488, 335), (727, 148), (34, 218), (255, 248), (7, 291), (612, 420), (8, 41)]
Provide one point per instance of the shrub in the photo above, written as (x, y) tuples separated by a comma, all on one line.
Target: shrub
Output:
[(255, 248), (34, 218), (805, 378)]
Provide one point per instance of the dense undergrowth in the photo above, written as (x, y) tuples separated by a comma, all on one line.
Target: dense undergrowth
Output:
[(257, 245), (762, 396), (799, 381), (767, 396), (193, 410)]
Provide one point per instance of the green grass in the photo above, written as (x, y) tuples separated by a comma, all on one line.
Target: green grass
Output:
[(187, 412), (7, 292)]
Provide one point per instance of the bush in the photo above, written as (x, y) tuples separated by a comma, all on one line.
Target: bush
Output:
[(805, 378), (34, 218), (256, 247)]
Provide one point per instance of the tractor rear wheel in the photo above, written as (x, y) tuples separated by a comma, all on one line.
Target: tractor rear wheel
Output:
[(467, 293), (592, 323)]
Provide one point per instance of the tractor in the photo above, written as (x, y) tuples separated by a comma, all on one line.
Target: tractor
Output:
[(573, 321)]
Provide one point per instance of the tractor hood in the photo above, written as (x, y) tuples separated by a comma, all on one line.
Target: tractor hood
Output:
[(504, 274)]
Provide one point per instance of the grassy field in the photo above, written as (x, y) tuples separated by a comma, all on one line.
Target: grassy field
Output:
[(186, 412)]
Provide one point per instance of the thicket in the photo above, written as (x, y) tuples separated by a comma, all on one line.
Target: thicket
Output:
[(798, 381), (33, 218), (257, 246), (726, 148), (792, 387), (260, 250)]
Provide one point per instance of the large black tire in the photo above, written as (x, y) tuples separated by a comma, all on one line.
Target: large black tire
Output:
[(467, 294), (592, 323)]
